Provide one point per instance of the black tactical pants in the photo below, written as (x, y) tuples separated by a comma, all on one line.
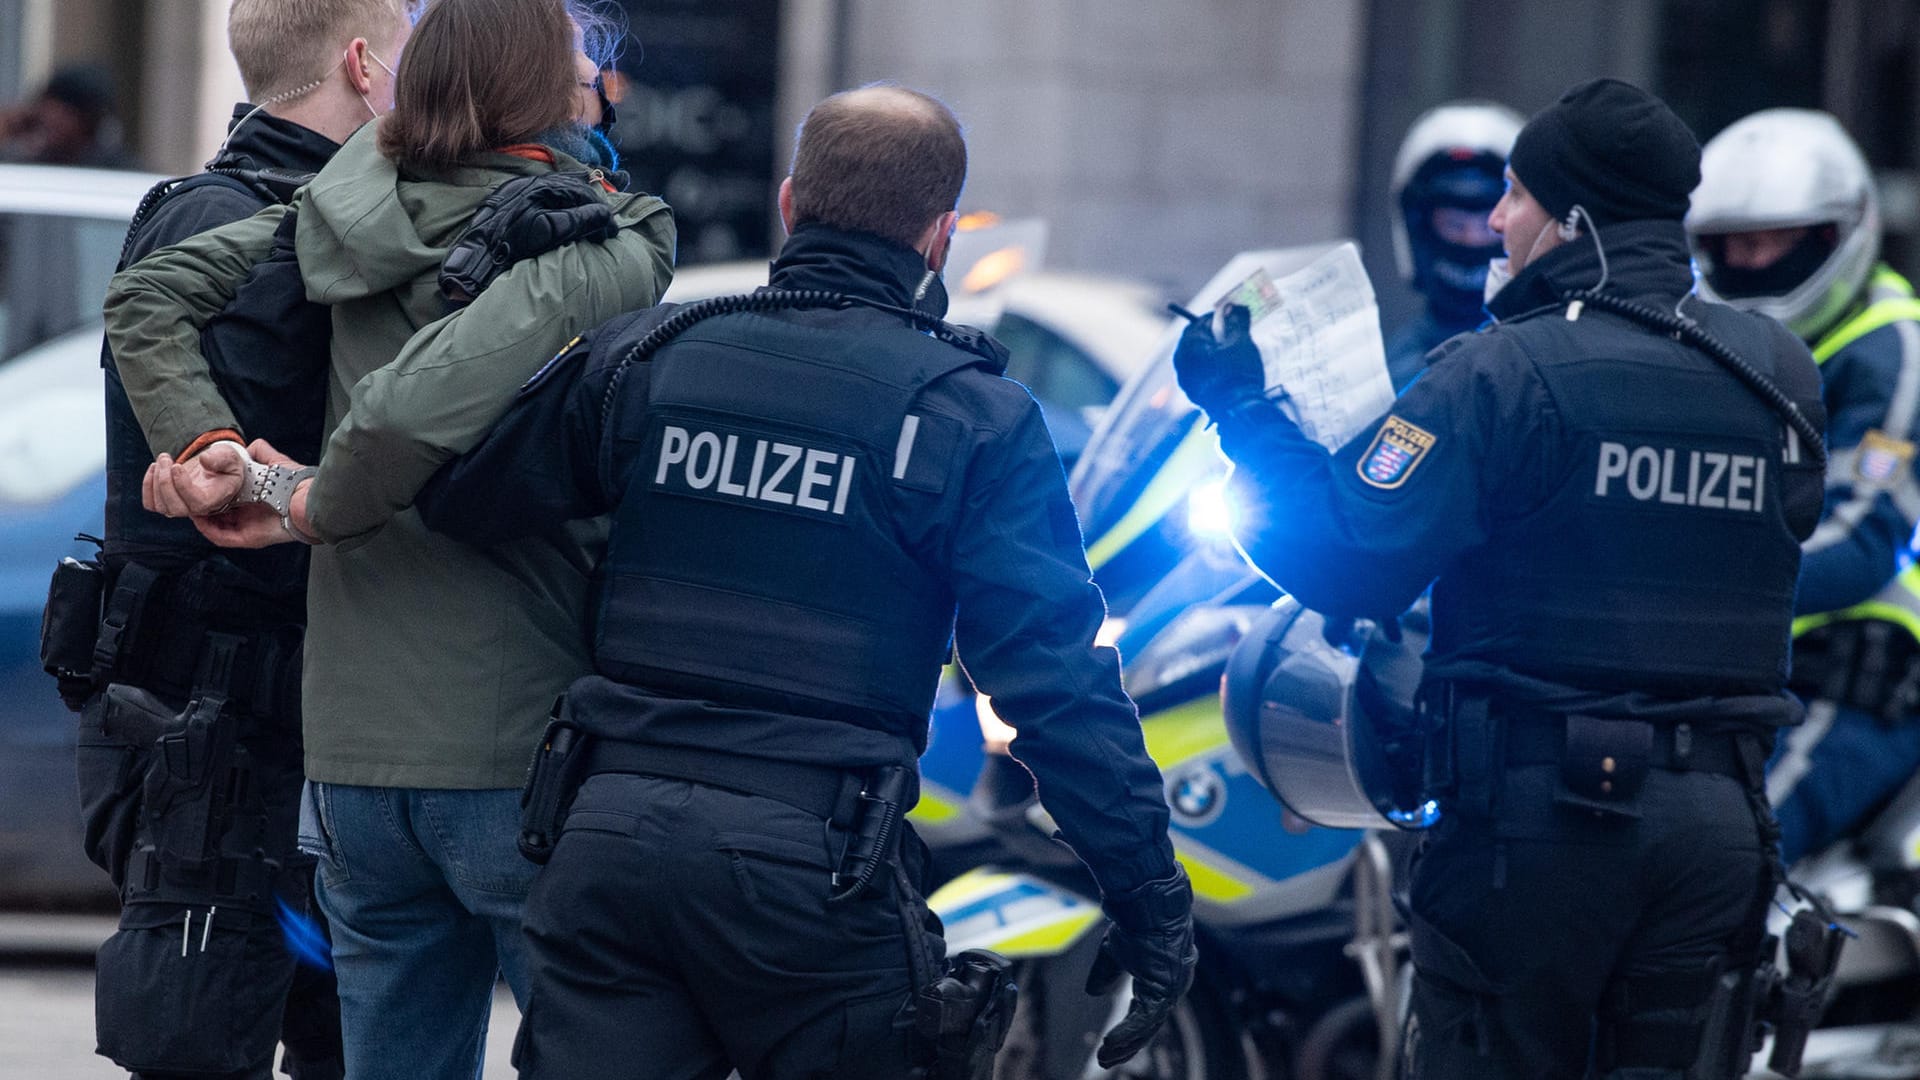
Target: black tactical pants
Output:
[(201, 990), (1550, 941), (682, 931)]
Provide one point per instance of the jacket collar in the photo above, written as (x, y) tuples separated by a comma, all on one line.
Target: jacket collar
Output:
[(1646, 261), (859, 264), (268, 142)]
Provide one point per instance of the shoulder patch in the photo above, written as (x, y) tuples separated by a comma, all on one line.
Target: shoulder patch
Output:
[(1881, 458), (547, 369), (1398, 449)]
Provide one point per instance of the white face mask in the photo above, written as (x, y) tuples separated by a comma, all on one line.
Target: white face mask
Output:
[(1498, 275), (390, 74)]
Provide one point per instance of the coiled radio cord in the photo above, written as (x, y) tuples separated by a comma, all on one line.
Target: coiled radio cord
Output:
[(1694, 334)]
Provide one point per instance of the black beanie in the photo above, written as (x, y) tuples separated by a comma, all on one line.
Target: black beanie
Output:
[(1611, 148)]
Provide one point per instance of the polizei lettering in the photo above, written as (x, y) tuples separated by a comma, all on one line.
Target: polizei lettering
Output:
[(1708, 479), (753, 467)]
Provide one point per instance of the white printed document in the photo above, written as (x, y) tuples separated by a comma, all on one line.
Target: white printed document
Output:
[(1318, 330)]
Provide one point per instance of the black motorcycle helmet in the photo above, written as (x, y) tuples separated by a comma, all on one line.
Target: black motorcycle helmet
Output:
[(1447, 176)]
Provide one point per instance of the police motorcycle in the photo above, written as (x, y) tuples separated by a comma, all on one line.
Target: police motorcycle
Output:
[(1299, 946)]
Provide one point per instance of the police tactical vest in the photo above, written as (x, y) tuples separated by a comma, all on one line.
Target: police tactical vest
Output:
[(1661, 558), (754, 547), (267, 350)]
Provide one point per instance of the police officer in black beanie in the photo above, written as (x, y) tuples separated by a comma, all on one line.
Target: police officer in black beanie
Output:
[(1608, 515)]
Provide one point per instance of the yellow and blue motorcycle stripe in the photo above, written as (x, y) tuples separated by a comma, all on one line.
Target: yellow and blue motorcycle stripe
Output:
[(937, 805), (1013, 914)]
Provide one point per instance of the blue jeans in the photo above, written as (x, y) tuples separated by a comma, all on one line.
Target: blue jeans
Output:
[(423, 889)]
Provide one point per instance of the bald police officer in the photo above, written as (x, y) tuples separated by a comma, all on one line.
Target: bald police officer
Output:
[(1606, 490), (816, 492)]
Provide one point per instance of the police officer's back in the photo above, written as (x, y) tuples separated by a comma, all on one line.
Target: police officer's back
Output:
[(814, 498), (1608, 513)]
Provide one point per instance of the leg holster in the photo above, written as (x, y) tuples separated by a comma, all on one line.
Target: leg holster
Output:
[(202, 837), (1686, 1025), (961, 1019)]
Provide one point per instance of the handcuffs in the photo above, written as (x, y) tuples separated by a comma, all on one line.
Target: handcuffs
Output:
[(273, 485)]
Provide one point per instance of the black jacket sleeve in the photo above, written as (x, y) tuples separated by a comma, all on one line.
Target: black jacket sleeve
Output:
[(538, 467), (1365, 530), (1028, 613)]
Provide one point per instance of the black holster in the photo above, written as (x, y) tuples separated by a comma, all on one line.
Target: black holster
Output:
[(961, 1019), (190, 780), (1799, 995), (553, 777)]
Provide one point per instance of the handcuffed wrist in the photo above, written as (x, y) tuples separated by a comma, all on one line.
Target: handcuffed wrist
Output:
[(207, 439)]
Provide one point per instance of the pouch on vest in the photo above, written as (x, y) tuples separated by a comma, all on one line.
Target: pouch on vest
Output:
[(1604, 764), (69, 627)]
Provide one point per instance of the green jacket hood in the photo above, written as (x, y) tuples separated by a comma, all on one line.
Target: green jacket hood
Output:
[(366, 228)]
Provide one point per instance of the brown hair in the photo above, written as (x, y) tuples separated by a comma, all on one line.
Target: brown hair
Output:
[(881, 159), (284, 46), (479, 74)]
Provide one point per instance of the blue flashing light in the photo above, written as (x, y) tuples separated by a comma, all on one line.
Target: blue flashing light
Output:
[(1210, 514), (305, 940), (1420, 817)]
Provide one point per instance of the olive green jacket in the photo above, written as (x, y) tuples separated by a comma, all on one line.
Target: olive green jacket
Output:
[(428, 663)]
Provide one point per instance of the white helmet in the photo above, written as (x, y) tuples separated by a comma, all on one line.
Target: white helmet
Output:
[(1463, 131), (1782, 169)]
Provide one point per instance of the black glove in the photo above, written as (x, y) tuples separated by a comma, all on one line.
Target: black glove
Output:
[(1220, 375), (1151, 938), (524, 217)]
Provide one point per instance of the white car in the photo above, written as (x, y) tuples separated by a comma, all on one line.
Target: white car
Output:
[(60, 236)]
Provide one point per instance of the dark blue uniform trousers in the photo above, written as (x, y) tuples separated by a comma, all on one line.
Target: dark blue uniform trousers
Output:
[(682, 931), (1538, 929)]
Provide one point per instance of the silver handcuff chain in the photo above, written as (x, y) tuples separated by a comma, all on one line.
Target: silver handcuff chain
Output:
[(273, 486)]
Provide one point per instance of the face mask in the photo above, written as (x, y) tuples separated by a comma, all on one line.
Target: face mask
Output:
[(390, 74), (1498, 275)]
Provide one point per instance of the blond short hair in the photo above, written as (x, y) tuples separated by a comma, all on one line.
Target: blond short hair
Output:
[(285, 45)]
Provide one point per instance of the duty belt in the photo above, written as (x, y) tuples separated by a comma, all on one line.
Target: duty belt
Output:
[(165, 642), (1541, 739), (825, 792)]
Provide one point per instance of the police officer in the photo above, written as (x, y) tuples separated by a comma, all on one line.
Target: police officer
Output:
[(1605, 489), (816, 492), (190, 751), (1447, 176), (1786, 223)]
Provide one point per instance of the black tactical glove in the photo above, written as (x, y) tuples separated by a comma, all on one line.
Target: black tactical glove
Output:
[(524, 217), (1220, 375), (1151, 938)]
